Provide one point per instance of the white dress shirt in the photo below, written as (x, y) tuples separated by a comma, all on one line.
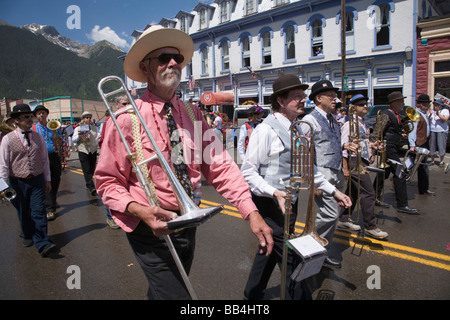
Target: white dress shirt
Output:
[(265, 144)]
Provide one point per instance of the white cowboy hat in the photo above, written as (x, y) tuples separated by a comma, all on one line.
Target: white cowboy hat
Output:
[(154, 38)]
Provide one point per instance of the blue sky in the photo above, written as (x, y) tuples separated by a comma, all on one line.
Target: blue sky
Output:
[(111, 20)]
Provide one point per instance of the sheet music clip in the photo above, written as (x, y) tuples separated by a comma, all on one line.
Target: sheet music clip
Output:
[(313, 255), (193, 219)]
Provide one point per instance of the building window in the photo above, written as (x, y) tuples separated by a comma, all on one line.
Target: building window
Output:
[(183, 24), (245, 52), (250, 7), (225, 11), (225, 51), (349, 32), (266, 48), (203, 24), (189, 70), (280, 2), (317, 38), (204, 58), (382, 27), (289, 42)]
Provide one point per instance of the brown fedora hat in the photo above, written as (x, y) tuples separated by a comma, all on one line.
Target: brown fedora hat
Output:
[(154, 38), (287, 82), (393, 96)]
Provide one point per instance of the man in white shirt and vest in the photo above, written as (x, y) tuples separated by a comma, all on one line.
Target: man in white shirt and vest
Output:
[(328, 152), (25, 167), (266, 162)]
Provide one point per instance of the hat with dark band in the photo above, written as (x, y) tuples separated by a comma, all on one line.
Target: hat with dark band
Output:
[(287, 82), (321, 86), (19, 109), (393, 96), (40, 107)]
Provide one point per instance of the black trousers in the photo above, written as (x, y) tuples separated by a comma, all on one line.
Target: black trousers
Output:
[(366, 199), (423, 174), (399, 179), (152, 253), (263, 265), (88, 162), (55, 175)]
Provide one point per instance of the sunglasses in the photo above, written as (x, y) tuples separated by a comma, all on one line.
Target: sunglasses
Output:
[(165, 58), (362, 104), (26, 116)]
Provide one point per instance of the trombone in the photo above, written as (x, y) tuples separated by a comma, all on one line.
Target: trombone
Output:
[(301, 172), (187, 207)]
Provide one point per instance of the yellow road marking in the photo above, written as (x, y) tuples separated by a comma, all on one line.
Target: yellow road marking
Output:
[(350, 239)]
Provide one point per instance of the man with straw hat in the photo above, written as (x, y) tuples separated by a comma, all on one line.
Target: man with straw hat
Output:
[(157, 58)]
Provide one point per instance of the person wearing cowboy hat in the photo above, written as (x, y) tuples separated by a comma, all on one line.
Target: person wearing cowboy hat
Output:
[(157, 58), (419, 138), (53, 144), (266, 162), (328, 152), (24, 165), (359, 181), (86, 137), (439, 130), (392, 133)]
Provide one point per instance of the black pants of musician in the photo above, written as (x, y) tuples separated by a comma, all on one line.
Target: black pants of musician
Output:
[(366, 199), (399, 179), (423, 174), (152, 253), (88, 162), (263, 265), (55, 174)]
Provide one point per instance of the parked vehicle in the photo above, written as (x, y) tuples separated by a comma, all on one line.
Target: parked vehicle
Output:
[(240, 117)]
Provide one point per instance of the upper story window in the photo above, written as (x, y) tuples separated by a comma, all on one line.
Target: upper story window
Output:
[(245, 52), (266, 48), (349, 32), (205, 12), (183, 24), (382, 27), (204, 58), (289, 41), (280, 2), (225, 11), (184, 20), (224, 46), (245, 40), (317, 37), (380, 12), (203, 24), (250, 7)]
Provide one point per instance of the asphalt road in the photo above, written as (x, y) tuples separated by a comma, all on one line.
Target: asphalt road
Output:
[(413, 264)]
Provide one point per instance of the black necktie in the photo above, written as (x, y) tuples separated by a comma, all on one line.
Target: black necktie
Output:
[(177, 152), (330, 120), (27, 137)]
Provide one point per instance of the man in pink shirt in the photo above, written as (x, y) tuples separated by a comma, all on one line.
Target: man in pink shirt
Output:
[(157, 58)]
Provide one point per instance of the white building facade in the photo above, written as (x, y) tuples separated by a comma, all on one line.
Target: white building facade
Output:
[(244, 45)]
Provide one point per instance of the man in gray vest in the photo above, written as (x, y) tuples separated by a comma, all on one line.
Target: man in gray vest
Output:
[(328, 152), (266, 162)]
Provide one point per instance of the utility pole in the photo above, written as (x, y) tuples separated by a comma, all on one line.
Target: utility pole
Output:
[(343, 51)]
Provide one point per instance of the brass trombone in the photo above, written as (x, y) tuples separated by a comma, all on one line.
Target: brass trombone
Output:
[(301, 178), (188, 208)]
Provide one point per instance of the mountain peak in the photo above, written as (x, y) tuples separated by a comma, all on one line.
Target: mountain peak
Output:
[(51, 34)]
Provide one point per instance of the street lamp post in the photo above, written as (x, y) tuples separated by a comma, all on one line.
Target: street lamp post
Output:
[(42, 94)]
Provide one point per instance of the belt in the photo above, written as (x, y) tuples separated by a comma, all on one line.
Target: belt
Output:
[(28, 177)]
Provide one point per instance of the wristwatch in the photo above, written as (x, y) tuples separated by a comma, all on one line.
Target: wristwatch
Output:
[(334, 192)]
